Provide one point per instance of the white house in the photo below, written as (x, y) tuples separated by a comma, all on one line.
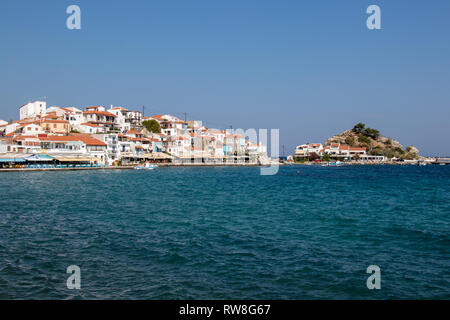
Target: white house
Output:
[(305, 150), (59, 112), (24, 144), (73, 115), (98, 115), (134, 119), (122, 120), (90, 128), (32, 109), (337, 150), (32, 129), (80, 145), (112, 146), (12, 127)]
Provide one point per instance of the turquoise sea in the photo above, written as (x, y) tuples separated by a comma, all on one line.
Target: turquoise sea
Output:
[(227, 233)]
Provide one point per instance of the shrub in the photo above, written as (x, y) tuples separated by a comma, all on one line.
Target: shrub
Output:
[(372, 133), (363, 139), (313, 156), (377, 151), (350, 141), (152, 126), (359, 127)]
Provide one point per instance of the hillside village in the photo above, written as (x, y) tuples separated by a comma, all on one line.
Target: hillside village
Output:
[(117, 136), (357, 144)]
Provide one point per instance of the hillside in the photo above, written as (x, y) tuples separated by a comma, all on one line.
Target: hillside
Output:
[(374, 142)]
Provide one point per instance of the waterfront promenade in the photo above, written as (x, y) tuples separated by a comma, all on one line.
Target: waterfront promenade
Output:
[(133, 166)]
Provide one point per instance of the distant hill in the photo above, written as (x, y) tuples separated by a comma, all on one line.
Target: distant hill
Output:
[(374, 142)]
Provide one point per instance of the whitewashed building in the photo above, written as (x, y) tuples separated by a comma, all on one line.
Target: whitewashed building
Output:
[(305, 150), (32, 109)]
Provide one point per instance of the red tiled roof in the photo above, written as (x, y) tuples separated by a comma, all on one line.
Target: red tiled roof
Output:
[(88, 140), (133, 132), (55, 121), (102, 113), (22, 137), (91, 125)]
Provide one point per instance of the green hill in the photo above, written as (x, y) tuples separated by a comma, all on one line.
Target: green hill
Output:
[(374, 142)]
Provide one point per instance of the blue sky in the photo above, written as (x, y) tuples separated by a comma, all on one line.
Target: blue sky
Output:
[(310, 68)]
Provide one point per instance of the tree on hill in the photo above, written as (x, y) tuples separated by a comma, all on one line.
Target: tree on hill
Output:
[(372, 133), (359, 128), (377, 151), (350, 141), (152, 126), (363, 139)]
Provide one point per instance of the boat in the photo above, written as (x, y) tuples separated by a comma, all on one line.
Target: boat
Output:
[(146, 166), (335, 164)]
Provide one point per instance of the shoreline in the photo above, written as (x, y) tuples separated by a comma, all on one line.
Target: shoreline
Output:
[(193, 165), (131, 167)]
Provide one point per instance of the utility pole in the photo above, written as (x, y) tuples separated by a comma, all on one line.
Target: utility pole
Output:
[(234, 141), (143, 111), (185, 117), (283, 152)]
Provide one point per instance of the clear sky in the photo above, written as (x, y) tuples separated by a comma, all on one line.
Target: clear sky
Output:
[(310, 68)]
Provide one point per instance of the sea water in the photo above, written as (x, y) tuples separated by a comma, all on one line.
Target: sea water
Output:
[(308, 232)]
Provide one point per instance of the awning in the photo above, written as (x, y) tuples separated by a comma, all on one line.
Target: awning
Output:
[(12, 160), (68, 159), (39, 157), (158, 155)]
